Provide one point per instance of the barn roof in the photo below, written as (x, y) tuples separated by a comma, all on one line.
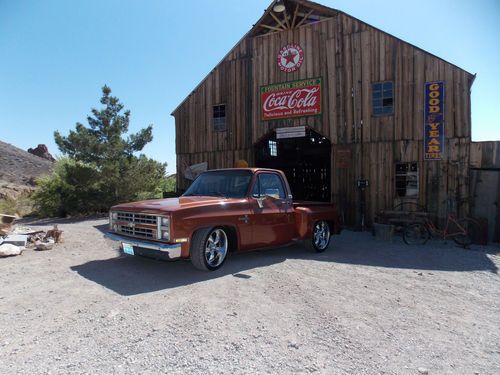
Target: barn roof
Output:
[(297, 13)]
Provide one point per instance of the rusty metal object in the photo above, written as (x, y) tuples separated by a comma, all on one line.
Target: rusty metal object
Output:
[(54, 233), (6, 224)]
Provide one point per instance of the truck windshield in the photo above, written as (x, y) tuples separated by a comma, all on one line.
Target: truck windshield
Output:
[(228, 184)]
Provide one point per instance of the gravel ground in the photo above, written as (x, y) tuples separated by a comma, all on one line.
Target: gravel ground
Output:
[(362, 307)]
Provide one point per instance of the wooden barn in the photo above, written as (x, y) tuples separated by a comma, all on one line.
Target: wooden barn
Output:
[(352, 114)]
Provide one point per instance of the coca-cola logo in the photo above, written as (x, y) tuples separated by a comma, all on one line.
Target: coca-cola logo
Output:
[(291, 99), (294, 99), (290, 58)]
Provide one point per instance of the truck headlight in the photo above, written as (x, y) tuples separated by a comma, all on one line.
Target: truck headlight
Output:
[(112, 217), (163, 223)]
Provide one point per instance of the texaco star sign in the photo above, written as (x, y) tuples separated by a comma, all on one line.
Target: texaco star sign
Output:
[(290, 58)]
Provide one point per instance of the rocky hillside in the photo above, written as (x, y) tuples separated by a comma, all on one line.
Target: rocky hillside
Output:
[(19, 170)]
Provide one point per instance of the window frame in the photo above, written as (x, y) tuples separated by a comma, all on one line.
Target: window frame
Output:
[(216, 122), (382, 97), (257, 184), (273, 148)]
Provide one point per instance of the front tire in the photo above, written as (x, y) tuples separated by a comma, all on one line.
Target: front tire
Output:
[(320, 238), (416, 234), (209, 248)]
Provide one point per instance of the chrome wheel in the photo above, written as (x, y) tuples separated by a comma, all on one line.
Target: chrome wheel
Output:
[(321, 235), (216, 248)]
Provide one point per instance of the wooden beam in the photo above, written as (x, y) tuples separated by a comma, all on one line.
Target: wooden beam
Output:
[(295, 15), (271, 27), (285, 15), (277, 20), (317, 7), (305, 18)]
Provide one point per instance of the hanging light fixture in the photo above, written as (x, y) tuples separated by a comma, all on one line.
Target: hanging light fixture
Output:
[(279, 6)]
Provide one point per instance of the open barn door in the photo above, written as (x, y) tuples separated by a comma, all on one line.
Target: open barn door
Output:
[(305, 159)]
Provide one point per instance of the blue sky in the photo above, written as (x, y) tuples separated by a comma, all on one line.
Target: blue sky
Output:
[(55, 55)]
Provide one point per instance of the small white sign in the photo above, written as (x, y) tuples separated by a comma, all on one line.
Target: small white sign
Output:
[(292, 132)]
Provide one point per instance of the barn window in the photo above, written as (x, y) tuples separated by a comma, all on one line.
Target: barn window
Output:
[(273, 148), (219, 118), (383, 98), (407, 179)]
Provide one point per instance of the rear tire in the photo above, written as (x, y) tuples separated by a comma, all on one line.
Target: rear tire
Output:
[(209, 248), (470, 227), (416, 234), (320, 238)]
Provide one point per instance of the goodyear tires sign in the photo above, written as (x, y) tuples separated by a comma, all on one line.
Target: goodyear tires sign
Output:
[(434, 121)]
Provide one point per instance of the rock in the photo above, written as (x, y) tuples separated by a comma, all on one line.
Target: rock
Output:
[(423, 370), (41, 151), (45, 245), (19, 170), (8, 250), (293, 344)]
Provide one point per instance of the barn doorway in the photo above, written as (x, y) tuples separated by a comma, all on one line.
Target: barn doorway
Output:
[(306, 161)]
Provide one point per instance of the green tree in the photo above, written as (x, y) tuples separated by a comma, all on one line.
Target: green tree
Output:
[(103, 141), (101, 166)]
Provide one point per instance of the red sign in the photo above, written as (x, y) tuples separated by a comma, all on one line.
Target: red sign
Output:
[(290, 58), (343, 157), (291, 99)]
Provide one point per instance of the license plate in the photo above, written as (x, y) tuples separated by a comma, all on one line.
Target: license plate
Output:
[(128, 249)]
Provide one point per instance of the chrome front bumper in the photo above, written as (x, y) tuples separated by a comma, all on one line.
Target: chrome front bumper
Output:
[(170, 251)]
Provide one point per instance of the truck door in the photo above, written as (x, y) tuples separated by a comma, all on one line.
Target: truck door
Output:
[(271, 211)]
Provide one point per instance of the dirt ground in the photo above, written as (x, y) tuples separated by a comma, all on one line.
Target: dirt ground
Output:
[(362, 307)]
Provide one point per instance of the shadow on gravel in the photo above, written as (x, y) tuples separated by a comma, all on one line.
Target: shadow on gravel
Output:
[(129, 275), (363, 249)]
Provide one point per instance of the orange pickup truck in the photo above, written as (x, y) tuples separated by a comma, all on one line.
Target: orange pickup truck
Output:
[(223, 210)]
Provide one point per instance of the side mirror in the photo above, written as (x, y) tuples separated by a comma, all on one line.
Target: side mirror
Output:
[(260, 201)]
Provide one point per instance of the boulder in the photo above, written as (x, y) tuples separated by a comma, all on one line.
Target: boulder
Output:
[(41, 151), (44, 245), (8, 250)]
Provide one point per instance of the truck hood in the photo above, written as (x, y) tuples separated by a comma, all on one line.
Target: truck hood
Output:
[(171, 204)]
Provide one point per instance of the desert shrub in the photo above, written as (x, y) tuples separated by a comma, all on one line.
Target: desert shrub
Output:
[(73, 188), (8, 206), (20, 206), (80, 188)]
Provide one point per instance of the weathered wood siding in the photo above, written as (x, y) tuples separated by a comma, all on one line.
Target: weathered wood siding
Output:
[(485, 185), (349, 55)]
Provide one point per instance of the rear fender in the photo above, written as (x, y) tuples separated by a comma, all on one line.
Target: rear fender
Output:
[(305, 218)]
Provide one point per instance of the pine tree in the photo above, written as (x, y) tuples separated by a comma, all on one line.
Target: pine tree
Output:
[(101, 167)]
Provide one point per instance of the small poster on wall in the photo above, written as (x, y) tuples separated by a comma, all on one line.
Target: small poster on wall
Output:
[(434, 121)]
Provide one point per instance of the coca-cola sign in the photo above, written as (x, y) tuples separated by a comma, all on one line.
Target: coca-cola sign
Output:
[(291, 99)]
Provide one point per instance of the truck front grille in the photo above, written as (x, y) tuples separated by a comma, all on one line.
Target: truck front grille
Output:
[(137, 225), (136, 218), (137, 232)]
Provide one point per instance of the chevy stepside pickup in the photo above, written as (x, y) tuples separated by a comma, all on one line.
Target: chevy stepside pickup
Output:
[(223, 210)]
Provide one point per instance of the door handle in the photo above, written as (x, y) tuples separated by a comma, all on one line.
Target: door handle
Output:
[(244, 219)]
